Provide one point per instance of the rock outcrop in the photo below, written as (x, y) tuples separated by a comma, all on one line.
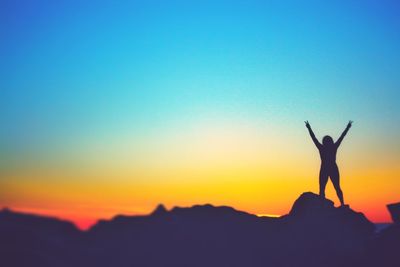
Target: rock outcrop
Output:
[(394, 210)]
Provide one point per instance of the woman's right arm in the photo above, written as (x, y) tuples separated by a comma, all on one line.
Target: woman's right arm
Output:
[(315, 140)]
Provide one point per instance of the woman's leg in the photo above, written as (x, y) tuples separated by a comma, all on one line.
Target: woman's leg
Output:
[(335, 178), (323, 179)]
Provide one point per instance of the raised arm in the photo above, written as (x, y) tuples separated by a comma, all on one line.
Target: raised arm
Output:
[(339, 141), (315, 140)]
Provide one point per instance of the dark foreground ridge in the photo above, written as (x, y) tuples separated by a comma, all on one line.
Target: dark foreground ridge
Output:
[(314, 233)]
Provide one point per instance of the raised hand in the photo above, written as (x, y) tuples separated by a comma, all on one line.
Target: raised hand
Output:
[(349, 124), (307, 124)]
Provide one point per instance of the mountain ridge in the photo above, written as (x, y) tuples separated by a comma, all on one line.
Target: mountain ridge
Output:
[(313, 233), (161, 210)]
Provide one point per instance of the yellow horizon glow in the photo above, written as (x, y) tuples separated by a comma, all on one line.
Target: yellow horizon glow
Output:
[(257, 169)]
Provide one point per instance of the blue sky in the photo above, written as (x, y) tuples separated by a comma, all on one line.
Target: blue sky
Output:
[(72, 69)]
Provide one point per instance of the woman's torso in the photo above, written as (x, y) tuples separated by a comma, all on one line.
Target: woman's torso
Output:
[(328, 155)]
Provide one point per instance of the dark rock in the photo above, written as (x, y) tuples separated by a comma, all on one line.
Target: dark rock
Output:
[(310, 204), (314, 233), (394, 210)]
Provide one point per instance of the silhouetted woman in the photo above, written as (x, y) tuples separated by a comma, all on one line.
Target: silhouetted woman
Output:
[(329, 168)]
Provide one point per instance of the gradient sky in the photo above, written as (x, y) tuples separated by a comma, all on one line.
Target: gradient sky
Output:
[(112, 107)]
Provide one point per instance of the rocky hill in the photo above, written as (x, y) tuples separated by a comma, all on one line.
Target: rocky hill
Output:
[(314, 233)]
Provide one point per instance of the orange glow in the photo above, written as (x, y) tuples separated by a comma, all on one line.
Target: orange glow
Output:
[(257, 170)]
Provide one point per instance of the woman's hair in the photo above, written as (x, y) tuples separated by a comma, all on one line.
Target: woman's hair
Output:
[(327, 140)]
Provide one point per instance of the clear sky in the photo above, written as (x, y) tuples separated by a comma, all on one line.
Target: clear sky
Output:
[(112, 107)]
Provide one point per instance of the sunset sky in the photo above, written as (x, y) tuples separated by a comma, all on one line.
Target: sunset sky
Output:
[(110, 107)]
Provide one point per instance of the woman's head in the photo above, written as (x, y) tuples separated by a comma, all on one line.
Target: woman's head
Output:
[(327, 140)]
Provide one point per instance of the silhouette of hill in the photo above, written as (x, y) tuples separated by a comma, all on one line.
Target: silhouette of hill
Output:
[(314, 233), (32, 240), (384, 250)]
